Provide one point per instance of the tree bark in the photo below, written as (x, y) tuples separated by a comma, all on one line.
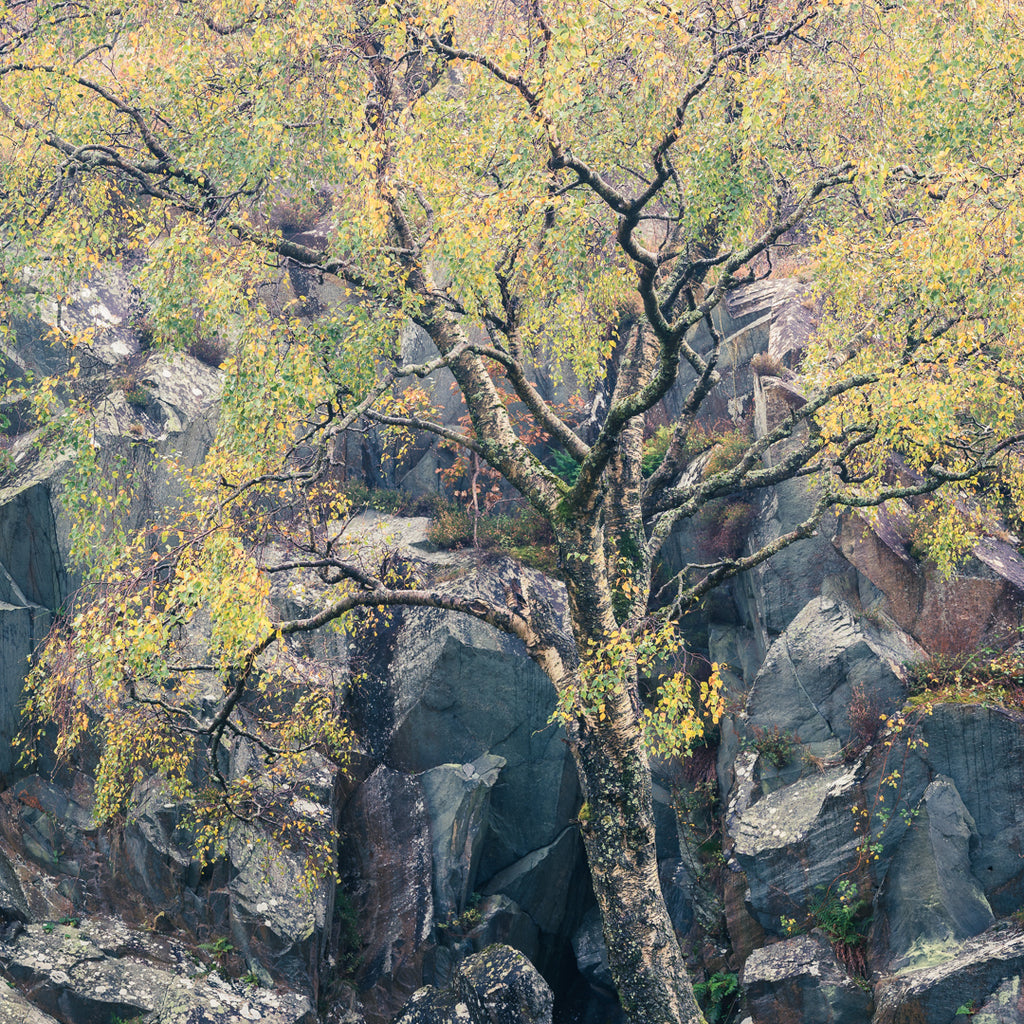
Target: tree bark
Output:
[(617, 819), (618, 832)]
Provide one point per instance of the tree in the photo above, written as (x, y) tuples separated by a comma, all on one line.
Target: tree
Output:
[(577, 186)]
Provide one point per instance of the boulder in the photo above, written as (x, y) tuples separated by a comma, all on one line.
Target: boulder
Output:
[(826, 662), (796, 840), (257, 893), (102, 970), (445, 688), (547, 884), (495, 919), (931, 901), (1003, 1006), (983, 971), (970, 745), (387, 871), (16, 1009), (801, 980), (23, 626), (457, 799), (496, 986)]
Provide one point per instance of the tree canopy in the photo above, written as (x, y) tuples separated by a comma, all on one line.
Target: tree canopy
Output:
[(566, 190)]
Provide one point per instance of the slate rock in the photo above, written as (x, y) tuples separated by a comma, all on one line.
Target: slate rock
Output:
[(800, 979), (975, 975), (982, 600), (496, 920), (797, 839), (13, 905), (16, 1009), (103, 970), (445, 688), (386, 869), (457, 799), (810, 675), (255, 894), (931, 901), (1003, 1006), (547, 884), (496, 986), (973, 746)]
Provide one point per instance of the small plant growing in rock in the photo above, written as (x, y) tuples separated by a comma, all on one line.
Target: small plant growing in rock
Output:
[(865, 721), (775, 745), (218, 949), (839, 912), (764, 364), (719, 997), (134, 393)]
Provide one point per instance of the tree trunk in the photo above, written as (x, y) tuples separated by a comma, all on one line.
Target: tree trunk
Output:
[(618, 833)]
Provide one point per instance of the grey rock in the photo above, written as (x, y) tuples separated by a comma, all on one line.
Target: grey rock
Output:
[(498, 920), (33, 565), (457, 799), (256, 894), (546, 883), (387, 873), (496, 986), (1003, 1006), (22, 628), (930, 900), (811, 673), (982, 971), (800, 979), (103, 969), (972, 746), (13, 905), (500, 986), (680, 886), (590, 950), (796, 839), (16, 1009), (445, 688)]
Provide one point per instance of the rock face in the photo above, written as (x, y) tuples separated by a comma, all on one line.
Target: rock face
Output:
[(101, 971), (930, 900), (800, 979), (496, 986), (461, 865)]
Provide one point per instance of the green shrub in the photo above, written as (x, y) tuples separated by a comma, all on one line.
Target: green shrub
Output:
[(729, 449), (565, 466), (719, 997), (654, 449), (839, 912), (775, 745)]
